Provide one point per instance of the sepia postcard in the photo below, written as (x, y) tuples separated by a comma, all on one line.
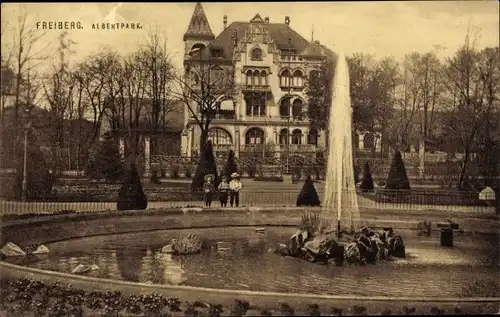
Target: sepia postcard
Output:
[(250, 158)]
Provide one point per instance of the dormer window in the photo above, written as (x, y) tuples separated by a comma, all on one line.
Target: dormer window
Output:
[(256, 54)]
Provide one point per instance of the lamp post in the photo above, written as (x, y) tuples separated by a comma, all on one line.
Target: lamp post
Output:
[(27, 128), (288, 133)]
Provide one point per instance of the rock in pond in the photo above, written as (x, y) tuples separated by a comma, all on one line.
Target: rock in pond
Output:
[(41, 250), (82, 269), (12, 249)]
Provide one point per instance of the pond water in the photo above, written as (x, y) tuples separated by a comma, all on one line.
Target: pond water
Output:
[(240, 258)]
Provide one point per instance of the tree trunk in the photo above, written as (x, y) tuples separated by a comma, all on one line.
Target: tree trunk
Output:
[(203, 140), (461, 177)]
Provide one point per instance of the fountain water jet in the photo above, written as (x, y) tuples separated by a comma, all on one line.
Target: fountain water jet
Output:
[(340, 189)]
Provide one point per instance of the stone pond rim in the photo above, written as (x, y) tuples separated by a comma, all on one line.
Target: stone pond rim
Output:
[(54, 228)]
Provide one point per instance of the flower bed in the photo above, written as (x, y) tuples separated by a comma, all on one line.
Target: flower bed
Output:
[(34, 298)]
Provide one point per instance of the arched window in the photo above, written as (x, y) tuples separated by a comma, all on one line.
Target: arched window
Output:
[(255, 104), (263, 75), (284, 136), (285, 77), (298, 78), (249, 76), (195, 51), (256, 77), (297, 108), (219, 136), (285, 107), (256, 54), (312, 137), (297, 136), (254, 136), (355, 140), (368, 141)]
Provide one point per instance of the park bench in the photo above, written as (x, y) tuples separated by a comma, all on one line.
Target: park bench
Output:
[(446, 236)]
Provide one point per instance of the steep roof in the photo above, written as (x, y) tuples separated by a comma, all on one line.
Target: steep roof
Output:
[(199, 26), (279, 32)]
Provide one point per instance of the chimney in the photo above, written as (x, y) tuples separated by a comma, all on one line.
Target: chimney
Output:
[(225, 21), (287, 20), (266, 19)]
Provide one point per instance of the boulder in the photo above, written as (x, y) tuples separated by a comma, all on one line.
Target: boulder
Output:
[(297, 240), (41, 250), (11, 249), (282, 249), (82, 269), (167, 249), (351, 253), (396, 246)]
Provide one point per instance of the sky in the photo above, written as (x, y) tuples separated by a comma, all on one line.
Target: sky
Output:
[(379, 28)]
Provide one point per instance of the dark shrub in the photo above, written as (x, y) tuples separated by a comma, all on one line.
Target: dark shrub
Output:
[(240, 308), (308, 195), (106, 163), (174, 171), (206, 166), (359, 310), (230, 166), (189, 172), (397, 179), (367, 182), (251, 170), (131, 195), (313, 310), (39, 180), (286, 310), (155, 179)]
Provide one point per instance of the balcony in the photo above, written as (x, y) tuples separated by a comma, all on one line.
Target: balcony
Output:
[(260, 148), (285, 87), (250, 87), (300, 148)]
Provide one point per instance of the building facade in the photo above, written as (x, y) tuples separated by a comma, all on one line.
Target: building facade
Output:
[(270, 63)]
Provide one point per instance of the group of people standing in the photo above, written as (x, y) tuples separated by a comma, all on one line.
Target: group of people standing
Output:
[(228, 190)]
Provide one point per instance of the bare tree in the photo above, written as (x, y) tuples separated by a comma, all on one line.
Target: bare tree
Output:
[(467, 106), (158, 71), (58, 89), (208, 81), (93, 74), (25, 56)]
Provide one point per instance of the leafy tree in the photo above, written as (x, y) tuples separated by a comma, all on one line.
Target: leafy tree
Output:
[(397, 179), (367, 182), (230, 166), (106, 162), (206, 166), (308, 195), (131, 195), (319, 93)]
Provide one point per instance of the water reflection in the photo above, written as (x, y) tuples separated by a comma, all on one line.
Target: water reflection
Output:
[(239, 258), (130, 262)]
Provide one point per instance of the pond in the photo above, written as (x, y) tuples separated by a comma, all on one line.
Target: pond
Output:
[(240, 258)]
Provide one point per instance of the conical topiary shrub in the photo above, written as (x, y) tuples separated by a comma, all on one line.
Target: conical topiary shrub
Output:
[(367, 182), (230, 166), (397, 178), (106, 162), (308, 195), (206, 166), (131, 195)]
